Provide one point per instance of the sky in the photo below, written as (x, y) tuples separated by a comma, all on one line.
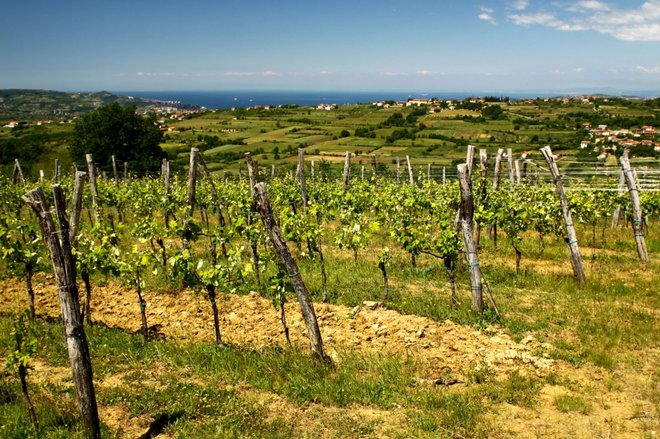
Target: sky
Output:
[(358, 45)]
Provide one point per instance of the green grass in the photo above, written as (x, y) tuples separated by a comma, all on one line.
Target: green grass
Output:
[(196, 387), (569, 404)]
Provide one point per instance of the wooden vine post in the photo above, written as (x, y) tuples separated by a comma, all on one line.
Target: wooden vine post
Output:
[(276, 238), (76, 204), (509, 158), (483, 172), (92, 181), (637, 217), (64, 268), (469, 159), (56, 171), (466, 213), (18, 174), (571, 239), (398, 170), (114, 171), (300, 175), (347, 170), (190, 197), (411, 180), (496, 186)]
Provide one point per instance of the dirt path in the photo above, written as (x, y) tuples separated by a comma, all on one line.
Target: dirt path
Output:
[(617, 408)]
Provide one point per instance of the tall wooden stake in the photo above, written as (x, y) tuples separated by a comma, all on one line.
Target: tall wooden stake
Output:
[(301, 176), (114, 171), (411, 180), (637, 217), (18, 174), (509, 158), (276, 238), (571, 240), (347, 170), (64, 268), (92, 181), (466, 217), (76, 204), (398, 170)]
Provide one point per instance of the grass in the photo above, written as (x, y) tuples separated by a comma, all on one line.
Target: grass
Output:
[(197, 390), (201, 390), (572, 404)]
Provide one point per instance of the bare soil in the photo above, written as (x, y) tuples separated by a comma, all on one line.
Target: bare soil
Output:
[(620, 405)]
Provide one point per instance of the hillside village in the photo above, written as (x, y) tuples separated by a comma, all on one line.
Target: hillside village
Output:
[(606, 140)]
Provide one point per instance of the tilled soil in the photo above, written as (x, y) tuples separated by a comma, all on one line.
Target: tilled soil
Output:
[(442, 350)]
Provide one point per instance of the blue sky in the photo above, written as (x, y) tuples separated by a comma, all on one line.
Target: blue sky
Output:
[(420, 45)]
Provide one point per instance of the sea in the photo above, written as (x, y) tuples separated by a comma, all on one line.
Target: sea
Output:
[(251, 98)]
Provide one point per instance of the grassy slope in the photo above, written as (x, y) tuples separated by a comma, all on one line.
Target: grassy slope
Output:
[(603, 335)]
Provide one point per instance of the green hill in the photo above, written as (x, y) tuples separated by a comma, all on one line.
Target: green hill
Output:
[(23, 104)]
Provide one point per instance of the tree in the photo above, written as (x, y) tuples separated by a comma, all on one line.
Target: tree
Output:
[(113, 130)]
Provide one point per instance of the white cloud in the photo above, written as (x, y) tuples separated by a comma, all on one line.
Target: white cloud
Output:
[(155, 74), (632, 24), (394, 74), (593, 5), (649, 70), (540, 18), (243, 74), (579, 70), (424, 72), (520, 5), (486, 14)]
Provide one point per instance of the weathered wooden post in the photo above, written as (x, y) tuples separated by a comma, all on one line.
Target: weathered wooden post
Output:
[(373, 166), (56, 171), (466, 213), (444, 175), (301, 176), (637, 217), (42, 176), (64, 268), (76, 204), (469, 159), (496, 186), (276, 238), (17, 175), (411, 180), (398, 170), (114, 171), (347, 170), (571, 239), (497, 170), (428, 173), (517, 167), (92, 181), (311, 169), (483, 172), (512, 178)]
